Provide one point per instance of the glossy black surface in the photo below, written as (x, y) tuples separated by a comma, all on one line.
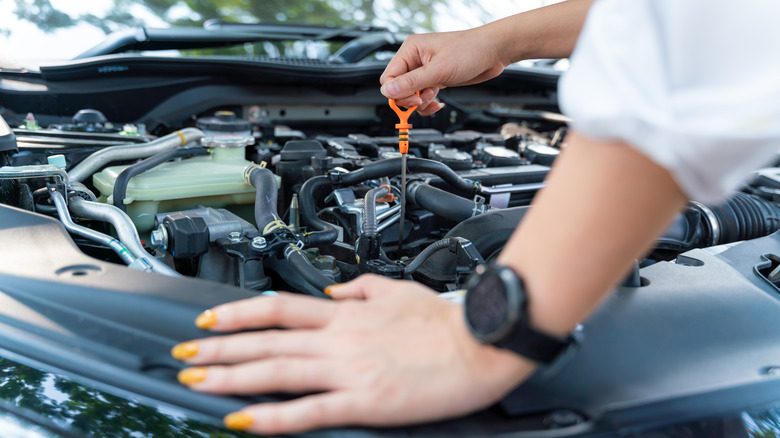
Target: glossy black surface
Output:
[(50, 404)]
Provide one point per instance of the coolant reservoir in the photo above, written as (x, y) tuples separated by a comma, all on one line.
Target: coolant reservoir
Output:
[(216, 181)]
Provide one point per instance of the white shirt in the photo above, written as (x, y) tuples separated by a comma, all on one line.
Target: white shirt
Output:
[(692, 84)]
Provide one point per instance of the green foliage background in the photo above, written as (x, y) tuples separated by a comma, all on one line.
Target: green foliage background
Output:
[(409, 15)]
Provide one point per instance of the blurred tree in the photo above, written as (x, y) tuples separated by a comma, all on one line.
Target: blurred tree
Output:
[(408, 15)]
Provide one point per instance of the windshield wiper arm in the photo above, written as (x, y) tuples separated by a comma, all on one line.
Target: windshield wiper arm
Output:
[(219, 35), (146, 38)]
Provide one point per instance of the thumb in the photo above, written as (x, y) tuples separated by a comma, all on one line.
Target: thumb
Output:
[(409, 83)]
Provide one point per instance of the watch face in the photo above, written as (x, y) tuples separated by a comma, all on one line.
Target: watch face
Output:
[(486, 308)]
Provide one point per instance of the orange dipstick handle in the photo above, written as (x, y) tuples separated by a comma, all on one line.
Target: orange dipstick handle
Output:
[(404, 126)]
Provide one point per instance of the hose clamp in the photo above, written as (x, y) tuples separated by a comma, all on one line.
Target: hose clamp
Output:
[(712, 219), (479, 205), (335, 177), (248, 172), (289, 250)]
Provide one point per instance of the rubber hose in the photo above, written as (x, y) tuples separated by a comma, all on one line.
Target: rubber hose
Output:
[(740, 217), (440, 202), (307, 271), (392, 167), (369, 210), (745, 217), (323, 233), (426, 254), (320, 232), (124, 177), (267, 191)]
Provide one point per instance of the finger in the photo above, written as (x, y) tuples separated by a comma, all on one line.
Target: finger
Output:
[(244, 347), (286, 310), (299, 415), (408, 102), (431, 108), (428, 95), (405, 85), (279, 374), (364, 287)]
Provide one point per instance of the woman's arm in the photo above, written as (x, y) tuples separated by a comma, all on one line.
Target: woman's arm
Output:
[(430, 62)]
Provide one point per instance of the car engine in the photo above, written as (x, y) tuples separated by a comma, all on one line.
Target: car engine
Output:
[(231, 198)]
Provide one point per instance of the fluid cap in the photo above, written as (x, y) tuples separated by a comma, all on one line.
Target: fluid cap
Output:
[(224, 121)]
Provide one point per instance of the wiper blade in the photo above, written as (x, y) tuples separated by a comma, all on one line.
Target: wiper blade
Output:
[(217, 34), (303, 31), (147, 38)]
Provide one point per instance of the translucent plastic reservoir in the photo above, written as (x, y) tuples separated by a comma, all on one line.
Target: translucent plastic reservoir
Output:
[(214, 181)]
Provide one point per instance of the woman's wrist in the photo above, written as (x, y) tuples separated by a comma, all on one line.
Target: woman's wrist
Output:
[(547, 32)]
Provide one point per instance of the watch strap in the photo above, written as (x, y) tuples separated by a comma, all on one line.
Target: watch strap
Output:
[(533, 344)]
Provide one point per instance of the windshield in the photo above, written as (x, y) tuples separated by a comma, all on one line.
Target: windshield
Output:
[(43, 31)]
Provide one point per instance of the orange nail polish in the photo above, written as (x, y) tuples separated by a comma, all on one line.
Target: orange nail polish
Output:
[(238, 420), (189, 376), (206, 319), (329, 290), (185, 350)]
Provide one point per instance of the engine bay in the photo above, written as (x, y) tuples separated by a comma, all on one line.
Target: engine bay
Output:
[(247, 204), (235, 199), (226, 201)]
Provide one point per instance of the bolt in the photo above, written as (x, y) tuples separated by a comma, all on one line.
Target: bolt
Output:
[(234, 236), (258, 243), (773, 371), (325, 263)]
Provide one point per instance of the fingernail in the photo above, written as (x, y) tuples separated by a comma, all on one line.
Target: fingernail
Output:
[(390, 89), (189, 376), (238, 420), (206, 319), (441, 105), (185, 350), (329, 290)]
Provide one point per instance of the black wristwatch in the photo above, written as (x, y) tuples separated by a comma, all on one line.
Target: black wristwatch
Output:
[(496, 313)]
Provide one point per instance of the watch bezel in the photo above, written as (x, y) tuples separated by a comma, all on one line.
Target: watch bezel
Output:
[(516, 301)]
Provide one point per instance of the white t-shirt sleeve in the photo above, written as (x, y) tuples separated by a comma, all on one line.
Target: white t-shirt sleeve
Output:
[(692, 84)]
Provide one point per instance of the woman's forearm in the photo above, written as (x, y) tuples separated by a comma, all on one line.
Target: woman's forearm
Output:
[(547, 32), (604, 205)]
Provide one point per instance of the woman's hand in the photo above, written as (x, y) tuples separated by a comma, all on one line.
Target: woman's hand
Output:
[(385, 353), (430, 62)]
